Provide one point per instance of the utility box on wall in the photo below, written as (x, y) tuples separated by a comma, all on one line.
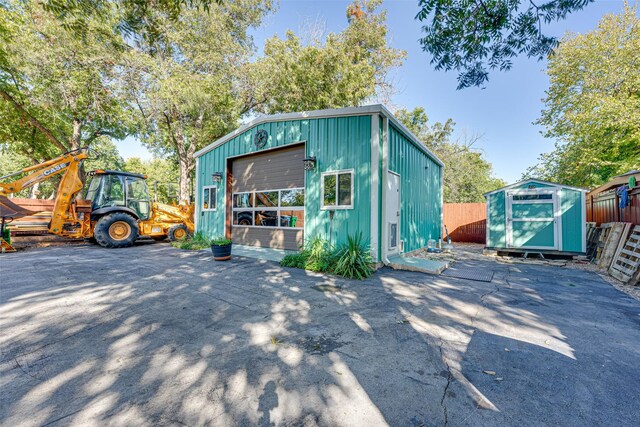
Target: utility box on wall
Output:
[(537, 216)]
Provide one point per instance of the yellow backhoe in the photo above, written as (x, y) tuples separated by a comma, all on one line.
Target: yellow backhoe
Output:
[(116, 209)]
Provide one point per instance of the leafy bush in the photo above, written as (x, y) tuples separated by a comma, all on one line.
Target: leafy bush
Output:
[(220, 241), (353, 259), (315, 256), (193, 243), (297, 260)]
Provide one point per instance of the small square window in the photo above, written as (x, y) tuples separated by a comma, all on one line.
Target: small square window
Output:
[(267, 199), (291, 198), (337, 190), (243, 200), (209, 198)]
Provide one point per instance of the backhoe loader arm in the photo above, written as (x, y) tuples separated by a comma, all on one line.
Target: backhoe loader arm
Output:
[(41, 172), (64, 220)]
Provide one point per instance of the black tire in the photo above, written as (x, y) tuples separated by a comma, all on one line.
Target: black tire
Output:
[(116, 230), (177, 232)]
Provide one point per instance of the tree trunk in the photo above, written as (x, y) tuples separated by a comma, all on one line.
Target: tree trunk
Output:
[(184, 178), (75, 138)]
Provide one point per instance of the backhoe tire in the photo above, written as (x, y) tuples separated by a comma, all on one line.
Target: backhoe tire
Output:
[(116, 230), (177, 232)]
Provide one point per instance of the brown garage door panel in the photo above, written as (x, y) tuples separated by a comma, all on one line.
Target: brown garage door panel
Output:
[(268, 237), (269, 171)]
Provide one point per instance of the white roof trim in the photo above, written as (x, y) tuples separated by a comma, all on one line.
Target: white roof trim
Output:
[(526, 181), (350, 111)]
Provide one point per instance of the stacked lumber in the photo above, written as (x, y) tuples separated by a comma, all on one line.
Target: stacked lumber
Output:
[(616, 249), (613, 236), (626, 264)]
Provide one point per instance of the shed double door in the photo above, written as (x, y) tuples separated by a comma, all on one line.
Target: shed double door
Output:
[(532, 219)]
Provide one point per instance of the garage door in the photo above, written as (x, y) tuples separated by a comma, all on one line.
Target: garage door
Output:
[(268, 199)]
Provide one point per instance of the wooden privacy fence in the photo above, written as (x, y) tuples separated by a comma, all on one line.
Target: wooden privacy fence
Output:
[(467, 222)]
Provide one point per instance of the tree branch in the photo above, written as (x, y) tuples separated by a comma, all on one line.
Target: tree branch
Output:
[(34, 122)]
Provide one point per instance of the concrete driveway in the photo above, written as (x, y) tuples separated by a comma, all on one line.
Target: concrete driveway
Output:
[(151, 335)]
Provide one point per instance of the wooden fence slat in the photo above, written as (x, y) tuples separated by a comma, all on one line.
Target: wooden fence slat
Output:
[(466, 222)]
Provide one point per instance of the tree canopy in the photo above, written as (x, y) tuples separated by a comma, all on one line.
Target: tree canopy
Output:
[(194, 83), (467, 175), (473, 37), (59, 91), (592, 106)]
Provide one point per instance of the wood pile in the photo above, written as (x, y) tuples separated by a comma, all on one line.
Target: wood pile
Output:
[(616, 249), (625, 265)]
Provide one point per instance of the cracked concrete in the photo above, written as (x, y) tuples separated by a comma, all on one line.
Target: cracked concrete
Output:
[(151, 335)]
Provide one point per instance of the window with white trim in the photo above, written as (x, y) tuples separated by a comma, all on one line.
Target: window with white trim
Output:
[(269, 208), (337, 190), (209, 198)]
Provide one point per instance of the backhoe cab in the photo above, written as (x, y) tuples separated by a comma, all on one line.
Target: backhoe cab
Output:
[(121, 210)]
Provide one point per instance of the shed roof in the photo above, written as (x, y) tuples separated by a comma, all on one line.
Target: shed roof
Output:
[(616, 181), (526, 181), (318, 114)]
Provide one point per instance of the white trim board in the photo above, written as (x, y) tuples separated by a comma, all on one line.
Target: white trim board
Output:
[(340, 112), (375, 202)]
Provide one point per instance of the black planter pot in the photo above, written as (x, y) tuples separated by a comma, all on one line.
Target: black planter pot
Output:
[(221, 253)]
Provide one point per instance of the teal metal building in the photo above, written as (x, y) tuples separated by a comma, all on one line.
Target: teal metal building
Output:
[(537, 216), (282, 179)]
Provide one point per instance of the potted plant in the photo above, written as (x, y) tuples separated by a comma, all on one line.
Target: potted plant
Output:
[(221, 248)]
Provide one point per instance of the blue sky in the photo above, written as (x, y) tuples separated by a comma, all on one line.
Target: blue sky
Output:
[(503, 112)]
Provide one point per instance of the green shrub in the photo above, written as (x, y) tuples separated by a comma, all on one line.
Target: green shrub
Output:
[(297, 260), (353, 259), (314, 256), (220, 241), (193, 243)]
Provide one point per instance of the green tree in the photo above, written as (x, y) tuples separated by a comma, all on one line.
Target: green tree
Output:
[(195, 82), (63, 86), (467, 175), (475, 36), (592, 106), (162, 171), (186, 83), (343, 70)]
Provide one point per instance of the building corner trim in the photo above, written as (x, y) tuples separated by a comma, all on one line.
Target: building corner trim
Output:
[(375, 185)]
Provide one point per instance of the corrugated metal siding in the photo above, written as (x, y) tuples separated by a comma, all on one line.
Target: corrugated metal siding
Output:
[(572, 225), (337, 143), (420, 205), (497, 220), (605, 207)]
